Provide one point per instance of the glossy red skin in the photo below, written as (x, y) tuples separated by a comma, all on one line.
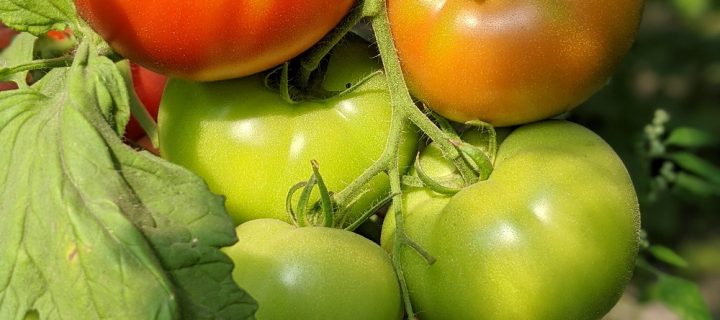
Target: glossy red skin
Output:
[(510, 62), (149, 88), (212, 40)]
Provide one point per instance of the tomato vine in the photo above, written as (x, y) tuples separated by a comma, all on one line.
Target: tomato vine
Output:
[(404, 111)]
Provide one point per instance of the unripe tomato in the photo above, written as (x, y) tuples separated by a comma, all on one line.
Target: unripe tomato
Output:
[(552, 234), (314, 273), (510, 62), (252, 146), (211, 40)]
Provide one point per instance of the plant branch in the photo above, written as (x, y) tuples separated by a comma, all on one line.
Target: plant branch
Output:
[(311, 61), (64, 61), (401, 99), (400, 237)]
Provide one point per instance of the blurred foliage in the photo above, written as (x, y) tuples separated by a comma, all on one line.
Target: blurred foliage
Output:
[(674, 65)]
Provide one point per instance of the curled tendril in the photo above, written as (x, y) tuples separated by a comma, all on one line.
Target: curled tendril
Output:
[(325, 201), (288, 201), (430, 182)]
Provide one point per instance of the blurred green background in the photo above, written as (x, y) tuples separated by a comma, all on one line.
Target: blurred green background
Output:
[(674, 65)]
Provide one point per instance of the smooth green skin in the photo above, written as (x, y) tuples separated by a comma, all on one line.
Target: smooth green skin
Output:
[(552, 234), (314, 273), (252, 146)]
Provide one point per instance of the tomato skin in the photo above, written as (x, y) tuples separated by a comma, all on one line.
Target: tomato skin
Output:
[(211, 40), (510, 62), (6, 36), (251, 145), (148, 86), (552, 234), (313, 273)]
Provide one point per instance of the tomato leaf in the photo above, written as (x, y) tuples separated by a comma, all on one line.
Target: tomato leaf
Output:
[(668, 256), (89, 228), (690, 137), (20, 51), (680, 295), (37, 16)]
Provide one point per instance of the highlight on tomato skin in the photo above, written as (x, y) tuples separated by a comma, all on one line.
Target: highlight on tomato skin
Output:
[(510, 62), (212, 40)]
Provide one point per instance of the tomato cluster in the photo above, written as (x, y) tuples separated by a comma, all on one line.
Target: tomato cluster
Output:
[(551, 234)]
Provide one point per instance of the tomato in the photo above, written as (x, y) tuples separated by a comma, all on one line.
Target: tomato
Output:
[(149, 88), (510, 62), (6, 36), (251, 145), (552, 234), (313, 273), (211, 40)]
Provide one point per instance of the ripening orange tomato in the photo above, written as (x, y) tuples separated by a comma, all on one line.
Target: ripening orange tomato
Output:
[(510, 62)]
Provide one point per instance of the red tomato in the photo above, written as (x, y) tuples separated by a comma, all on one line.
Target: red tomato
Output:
[(212, 40), (6, 36), (510, 62), (59, 35), (149, 88)]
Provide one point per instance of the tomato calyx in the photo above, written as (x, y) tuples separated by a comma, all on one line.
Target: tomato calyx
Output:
[(303, 214), (295, 89), (324, 211), (479, 156)]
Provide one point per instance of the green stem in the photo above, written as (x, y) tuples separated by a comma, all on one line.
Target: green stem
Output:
[(311, 61), (369, 213), (429, 259), (396, 188), (325, 201), (64, 61), (444, 124), (401, 99), (285, 83), (303, 202), (288, 201), (430, 183), (137, 109), (389, 155)]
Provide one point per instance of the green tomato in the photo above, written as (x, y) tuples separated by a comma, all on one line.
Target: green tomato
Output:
[(552, 234), (251, 145), (314, 273)]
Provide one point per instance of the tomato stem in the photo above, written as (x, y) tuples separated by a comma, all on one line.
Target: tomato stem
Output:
[(430, 183), (137, 109), (396, 188), (429, 259), (285, 83), (477, 158), (303, 202), (327, 208), (288, 201), (370, 212), (311, 60), (64, 61), (401, 99)]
